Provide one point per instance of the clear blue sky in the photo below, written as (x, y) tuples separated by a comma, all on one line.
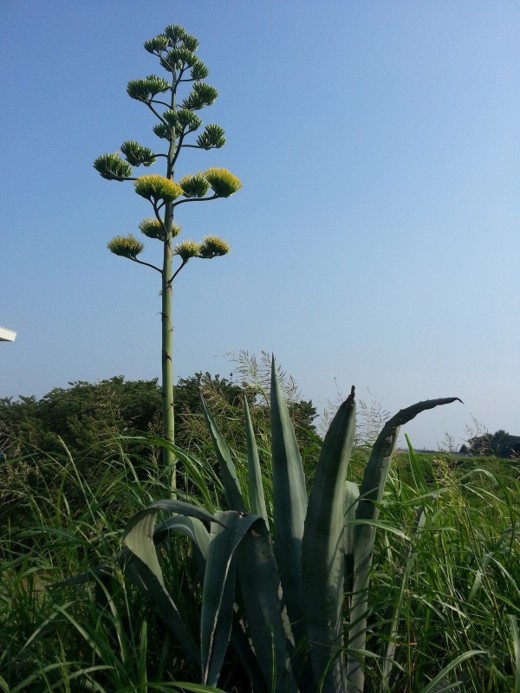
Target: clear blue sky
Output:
[(376, 238)]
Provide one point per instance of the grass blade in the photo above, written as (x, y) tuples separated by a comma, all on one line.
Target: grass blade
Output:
[(227, 468), (515, 635), (432, 687)]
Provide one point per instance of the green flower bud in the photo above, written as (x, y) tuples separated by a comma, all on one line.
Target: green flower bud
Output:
[(212, 246), (187, 120), (136, 154), (157, 44), (153, 228), (194, 186), (222, 182), (199, 71), (175, 33), (201, 95), (145, 89), (190, 42), (162, 131), (155, 188), (212, 137), (112, 167), (187, 250), (126, 246)]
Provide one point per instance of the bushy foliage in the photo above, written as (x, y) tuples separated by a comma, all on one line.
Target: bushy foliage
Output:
[(500, 444), (85, 414)]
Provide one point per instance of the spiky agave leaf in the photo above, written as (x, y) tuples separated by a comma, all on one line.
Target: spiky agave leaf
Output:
[(112, 167), (367, 512), (323, 556), (125, 246), (156, 188), (222, 182), (289, 504)]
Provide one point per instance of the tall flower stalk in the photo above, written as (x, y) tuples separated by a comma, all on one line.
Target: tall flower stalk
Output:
[(177, 119)]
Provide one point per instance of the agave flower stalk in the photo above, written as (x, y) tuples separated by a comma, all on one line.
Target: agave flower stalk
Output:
[(178, 120)]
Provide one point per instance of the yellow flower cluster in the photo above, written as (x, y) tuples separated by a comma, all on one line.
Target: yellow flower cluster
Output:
[(222, 182), (156, 188)]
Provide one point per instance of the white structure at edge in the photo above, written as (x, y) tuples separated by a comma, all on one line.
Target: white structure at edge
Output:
[(7, 335)]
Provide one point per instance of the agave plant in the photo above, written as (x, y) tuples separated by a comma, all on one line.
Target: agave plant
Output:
[(288, 594)]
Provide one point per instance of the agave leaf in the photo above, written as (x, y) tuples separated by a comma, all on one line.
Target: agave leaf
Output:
[(267, 622), (254, 477), (139, 532), (148, 581), (289, 505), (370, 495), (227, 468), (193, 528), (242, 647), (351, 501), (218, 593), (323, 554), (145, 570)]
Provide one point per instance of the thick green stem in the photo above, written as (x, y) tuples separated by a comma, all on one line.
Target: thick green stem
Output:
[(168, 400), (167, 350)]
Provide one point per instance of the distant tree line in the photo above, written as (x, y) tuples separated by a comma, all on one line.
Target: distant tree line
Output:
[(499, 444), (85, 415)]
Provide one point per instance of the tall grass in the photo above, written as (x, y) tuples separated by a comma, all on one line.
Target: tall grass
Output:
[(448, 581), (444, 594), (59, 519)]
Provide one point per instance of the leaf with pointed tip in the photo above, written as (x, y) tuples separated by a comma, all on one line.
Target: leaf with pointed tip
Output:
[(351, 501), (370, 495), (267, 621), (218, 592), (145, 570), (139, 532), (289, 504), (323, 550), (148, 582), (254, 477)]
